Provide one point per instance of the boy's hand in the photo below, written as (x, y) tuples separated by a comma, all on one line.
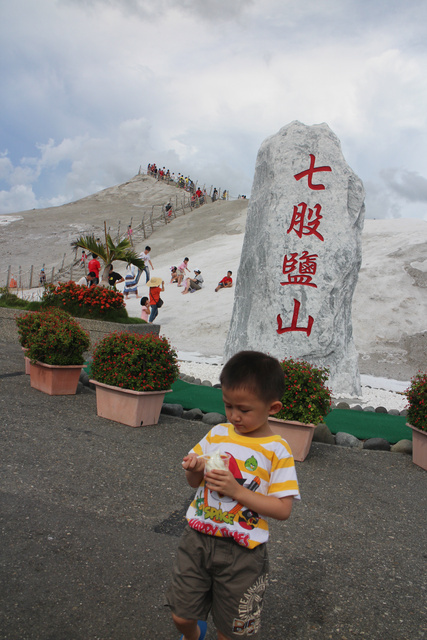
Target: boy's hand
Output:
[(192, 462), (223, 482)]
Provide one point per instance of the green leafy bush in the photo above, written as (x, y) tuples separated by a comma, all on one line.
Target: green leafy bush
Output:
[(27, 325), (8, 299), (306, 398), (132, 361), (417, 401), (53, 337)]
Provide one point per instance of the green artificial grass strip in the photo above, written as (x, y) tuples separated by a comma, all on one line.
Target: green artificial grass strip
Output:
[(192, 396), (367, 424), (88, 368), (361, 424)]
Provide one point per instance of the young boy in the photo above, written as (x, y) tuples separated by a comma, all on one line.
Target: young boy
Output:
[(145, 255), (226, 282), (222, 565)]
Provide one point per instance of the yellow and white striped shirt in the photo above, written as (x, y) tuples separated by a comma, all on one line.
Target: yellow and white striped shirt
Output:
[(264, 465)]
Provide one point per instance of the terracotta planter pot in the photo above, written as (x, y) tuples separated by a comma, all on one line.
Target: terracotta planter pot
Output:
[(55, 380), (132, 408), (297, 434), (419, 446), (27, 361)]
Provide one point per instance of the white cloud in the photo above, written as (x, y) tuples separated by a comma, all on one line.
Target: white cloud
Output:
[(6, 167), (18, 198), (112, 84), (409, 185)]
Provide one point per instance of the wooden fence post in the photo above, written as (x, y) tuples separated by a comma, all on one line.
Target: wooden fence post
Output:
[(31, 276), (8, 276), (51, 277)]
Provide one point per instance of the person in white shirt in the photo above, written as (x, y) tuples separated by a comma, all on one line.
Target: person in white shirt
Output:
[(145, 255), (88, 280)]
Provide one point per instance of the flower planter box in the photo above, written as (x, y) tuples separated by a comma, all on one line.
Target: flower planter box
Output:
[(419, 446), (132, 408), (297, 434), (55, 380), (27, 362)]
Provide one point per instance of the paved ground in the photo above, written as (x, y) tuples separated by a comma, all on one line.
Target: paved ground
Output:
[(91, 512)]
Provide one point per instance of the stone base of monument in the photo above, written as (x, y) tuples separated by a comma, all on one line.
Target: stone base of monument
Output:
[(298, 435)]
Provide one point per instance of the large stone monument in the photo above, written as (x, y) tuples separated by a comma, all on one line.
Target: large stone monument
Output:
[(301, 255)]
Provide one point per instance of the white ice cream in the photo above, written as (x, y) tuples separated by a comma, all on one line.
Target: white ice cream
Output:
[(214, 461)]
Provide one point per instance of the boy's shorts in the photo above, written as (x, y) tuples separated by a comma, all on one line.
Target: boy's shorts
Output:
[(218, 575)]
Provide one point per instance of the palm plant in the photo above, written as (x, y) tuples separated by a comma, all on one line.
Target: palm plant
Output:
[(109, 252)]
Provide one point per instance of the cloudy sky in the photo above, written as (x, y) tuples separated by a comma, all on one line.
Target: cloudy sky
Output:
[(94, 89)]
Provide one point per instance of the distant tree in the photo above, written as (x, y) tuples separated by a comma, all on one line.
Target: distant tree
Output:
[(109, 252)]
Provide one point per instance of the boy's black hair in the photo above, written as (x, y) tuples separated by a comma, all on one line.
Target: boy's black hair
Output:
[(147, 248), (255, 371)]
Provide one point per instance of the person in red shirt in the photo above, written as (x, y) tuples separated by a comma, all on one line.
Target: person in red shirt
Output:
[(226, 282), (154, 284), (199, 194), (94, 265)]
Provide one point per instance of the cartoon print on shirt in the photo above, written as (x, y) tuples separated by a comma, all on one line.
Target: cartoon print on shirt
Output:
[(251, 463), (246, 518)]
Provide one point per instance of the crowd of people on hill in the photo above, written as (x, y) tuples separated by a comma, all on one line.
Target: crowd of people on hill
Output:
[(185, 182)]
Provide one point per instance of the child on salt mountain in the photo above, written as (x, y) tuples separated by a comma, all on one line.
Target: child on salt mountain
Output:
[(222, 561), (145, 308)]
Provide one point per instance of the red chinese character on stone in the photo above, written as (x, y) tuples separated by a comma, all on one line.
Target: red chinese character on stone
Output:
[(306, 269), (309, 174), (294, 327), (313, 220)]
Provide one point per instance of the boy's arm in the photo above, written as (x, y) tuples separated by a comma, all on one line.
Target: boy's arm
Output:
[(267, 506), (194, 468)]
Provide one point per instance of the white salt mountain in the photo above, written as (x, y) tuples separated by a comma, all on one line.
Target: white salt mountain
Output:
[(301, 255)]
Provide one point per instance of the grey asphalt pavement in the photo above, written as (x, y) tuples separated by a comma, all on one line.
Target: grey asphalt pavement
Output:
[(91, 513)]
